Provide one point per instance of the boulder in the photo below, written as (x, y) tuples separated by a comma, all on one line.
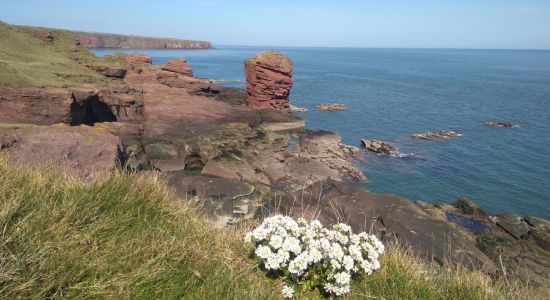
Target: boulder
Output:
[(331, 106), (179, 66), (115, 72), (434, 135), (379, 146), (269, 80), (82, 151)]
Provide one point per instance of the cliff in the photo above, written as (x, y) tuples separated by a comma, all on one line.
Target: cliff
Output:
[(107, 40)]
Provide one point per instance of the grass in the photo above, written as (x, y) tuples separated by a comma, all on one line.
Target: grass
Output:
[(272, 57), (125, 236), (27, 60)]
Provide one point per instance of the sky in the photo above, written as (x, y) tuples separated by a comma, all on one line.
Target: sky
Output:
[(485, 24)]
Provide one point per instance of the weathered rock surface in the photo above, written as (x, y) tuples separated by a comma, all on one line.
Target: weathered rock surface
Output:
[(434, 135), (269, 80), (379, 146), (331, 106), (179, 66), (134, 58), (445, 233), (81, 150), (392, 217), (75, 106), (500, 124)]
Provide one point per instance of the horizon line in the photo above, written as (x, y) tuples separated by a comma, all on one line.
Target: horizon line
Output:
[(285, 46)]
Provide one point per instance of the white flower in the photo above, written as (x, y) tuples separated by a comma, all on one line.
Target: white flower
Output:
[(348, 263), (263, 252), (276, 241), (342, 278), (305, 249), (292, 244), (287, 292)]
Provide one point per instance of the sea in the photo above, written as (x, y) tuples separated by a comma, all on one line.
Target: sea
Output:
[(394, 93)]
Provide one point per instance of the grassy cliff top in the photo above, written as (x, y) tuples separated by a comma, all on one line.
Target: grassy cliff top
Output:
[(271, 57), (29, 58), (125, 236)]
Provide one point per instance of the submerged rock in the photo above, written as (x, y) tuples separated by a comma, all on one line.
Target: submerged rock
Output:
[(331, 106), (294, 108), (500, 124), (433, 135), (379, 146), (269, 80)]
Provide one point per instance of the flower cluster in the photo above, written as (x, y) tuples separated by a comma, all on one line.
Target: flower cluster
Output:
[(308, 253)]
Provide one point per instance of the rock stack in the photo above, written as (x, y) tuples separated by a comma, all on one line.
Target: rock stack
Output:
[(269, 79)]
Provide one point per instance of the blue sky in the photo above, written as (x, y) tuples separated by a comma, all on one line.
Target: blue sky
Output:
[(523, 24)]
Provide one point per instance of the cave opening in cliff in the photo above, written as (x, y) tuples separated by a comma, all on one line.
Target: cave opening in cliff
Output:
[(89, 110)]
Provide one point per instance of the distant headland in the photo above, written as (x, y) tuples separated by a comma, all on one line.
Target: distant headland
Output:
[(108, 40)]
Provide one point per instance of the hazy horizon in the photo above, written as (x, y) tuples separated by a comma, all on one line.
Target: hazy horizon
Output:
[(425, 24)]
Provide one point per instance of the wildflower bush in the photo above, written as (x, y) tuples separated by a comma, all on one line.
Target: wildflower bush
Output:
[(311, 257)]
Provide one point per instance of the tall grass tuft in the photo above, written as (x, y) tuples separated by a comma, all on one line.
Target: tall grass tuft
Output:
[(121, 236)]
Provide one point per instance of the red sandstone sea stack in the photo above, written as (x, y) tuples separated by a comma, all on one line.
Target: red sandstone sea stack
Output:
[(269, 79)]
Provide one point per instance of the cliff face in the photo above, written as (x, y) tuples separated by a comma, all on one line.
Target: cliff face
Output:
[(105, 40)]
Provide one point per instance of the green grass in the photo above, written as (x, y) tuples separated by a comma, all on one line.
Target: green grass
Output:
[(126, 237), (120, 237), (26, 60)]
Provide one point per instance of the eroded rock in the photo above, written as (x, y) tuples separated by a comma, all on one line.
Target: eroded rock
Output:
[(178, 65), (134, 58), (379, 146), (269, 80), (434, 135), (83, 151), (500, 124)]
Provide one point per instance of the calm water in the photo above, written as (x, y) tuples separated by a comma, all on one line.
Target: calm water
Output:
[(393, 93)]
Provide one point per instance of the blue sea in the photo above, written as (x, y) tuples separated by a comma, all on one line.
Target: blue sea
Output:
[(393, 93)]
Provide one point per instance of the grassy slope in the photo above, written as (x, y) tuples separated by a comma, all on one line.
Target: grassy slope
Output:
[(25, 60), (125, 237)]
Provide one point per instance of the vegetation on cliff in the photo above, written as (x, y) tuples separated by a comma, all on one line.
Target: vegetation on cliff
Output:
[(31, 56), (126, 236)]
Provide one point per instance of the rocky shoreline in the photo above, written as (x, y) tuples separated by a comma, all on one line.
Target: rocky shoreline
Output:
[(241, 154)]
